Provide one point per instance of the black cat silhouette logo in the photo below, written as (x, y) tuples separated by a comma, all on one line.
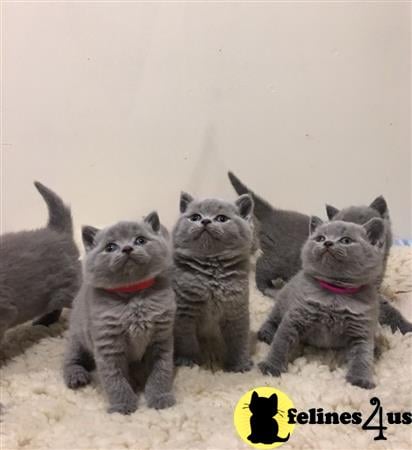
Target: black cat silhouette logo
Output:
[(263, 426), (261, 418)]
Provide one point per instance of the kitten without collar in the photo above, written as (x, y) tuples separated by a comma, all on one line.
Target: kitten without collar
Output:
[(212, 247), (40, 271)]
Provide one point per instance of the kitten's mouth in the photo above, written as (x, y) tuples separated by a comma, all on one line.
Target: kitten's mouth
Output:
[(202, 232), (129, 259), (327, 252)]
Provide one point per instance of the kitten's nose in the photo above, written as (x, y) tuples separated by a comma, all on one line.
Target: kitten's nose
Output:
[(206, 222), (127, 249), (328, 243)]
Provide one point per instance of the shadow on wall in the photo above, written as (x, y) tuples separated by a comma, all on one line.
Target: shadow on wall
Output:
[(209, 162)]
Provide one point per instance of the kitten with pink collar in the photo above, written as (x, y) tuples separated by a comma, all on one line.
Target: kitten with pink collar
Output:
[(332, 303)]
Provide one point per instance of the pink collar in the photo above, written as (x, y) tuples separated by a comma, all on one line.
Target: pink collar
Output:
[(339, 289), (135, 287)]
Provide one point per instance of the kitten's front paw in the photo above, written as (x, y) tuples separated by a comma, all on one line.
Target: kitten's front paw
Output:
[(365, 383), (278, 283), (184, 361), (240, 367), (265, 334), (76, 377), (125, 408), (405, 327), (161, 401), (268, 369)]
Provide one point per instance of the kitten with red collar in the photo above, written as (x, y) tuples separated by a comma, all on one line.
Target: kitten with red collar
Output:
[(123, 317)]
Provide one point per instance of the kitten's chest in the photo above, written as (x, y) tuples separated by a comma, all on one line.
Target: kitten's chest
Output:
[(138, 324), (334, 321), (328, 331)]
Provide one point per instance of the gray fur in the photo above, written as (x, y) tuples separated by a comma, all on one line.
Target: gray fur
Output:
[(128, 336), (308, 313), (281, 236), (212, 261), (40, 271), (360, 215), (281, 243), (388, 315)]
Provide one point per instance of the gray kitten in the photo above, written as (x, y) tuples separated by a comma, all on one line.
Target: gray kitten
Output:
[(281, 235), (388, 315), (332, 302), (40, 271), (122, 319), (281, 240), (212, 247)]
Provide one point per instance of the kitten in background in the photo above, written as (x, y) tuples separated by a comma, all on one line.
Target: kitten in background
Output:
[(332, 303), (122, 318), (40, 272), (388, 314), (283, 233), (212, 248)]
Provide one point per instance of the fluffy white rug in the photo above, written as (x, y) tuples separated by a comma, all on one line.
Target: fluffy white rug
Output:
[(40, 413)]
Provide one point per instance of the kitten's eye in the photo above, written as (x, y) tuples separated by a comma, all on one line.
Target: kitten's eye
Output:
[(111, 247), (320, 238), (221, 218), (346, 240), (140, 240), (195, 217)]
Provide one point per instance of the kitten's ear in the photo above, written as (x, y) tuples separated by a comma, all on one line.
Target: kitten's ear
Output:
[(374, 229), (153, 220), (185, 199), (88, 235), (331, 211), (314, 222), (380, 205), (255, 396), (245, 206)]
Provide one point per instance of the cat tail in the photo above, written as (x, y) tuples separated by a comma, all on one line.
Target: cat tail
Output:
[(262, 208), (60, 218)]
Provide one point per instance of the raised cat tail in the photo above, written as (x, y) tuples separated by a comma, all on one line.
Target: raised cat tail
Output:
[(262, 208), (60, 218)]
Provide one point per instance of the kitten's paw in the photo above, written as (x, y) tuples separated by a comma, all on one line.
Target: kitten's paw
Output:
[(268, 369), (76, 377), (278, 283), (405, 327), (265, 334), (365, 383), (125, 408), (240, 367), (184, 361), (161, 401)]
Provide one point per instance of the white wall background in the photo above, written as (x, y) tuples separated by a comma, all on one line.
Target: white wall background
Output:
[(119, 106)]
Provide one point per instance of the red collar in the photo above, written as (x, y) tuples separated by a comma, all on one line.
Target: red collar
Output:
[(339, 289), (135, 287)]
